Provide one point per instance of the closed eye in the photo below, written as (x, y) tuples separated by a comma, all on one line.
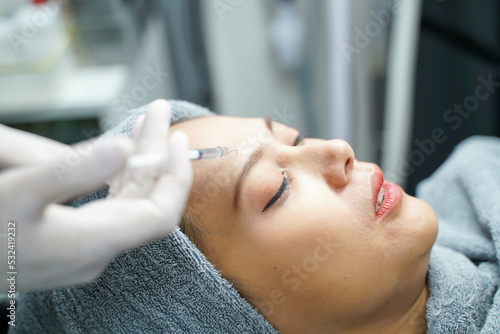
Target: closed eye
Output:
[(285, 184)]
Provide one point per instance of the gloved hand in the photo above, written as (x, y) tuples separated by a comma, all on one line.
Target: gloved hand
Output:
[(46, 244)]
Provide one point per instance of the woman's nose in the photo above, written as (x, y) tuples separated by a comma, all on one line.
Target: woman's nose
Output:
[(333, 159)]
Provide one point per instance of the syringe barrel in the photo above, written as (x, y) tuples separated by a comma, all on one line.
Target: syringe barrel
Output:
[(205, 153)]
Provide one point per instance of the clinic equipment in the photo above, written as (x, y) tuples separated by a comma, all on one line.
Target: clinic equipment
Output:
[(148, 159)]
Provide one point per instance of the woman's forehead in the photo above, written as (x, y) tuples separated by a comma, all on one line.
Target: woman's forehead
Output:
[(221, 131), (236, 133)]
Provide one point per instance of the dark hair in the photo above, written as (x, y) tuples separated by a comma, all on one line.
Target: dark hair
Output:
[(190, 228)]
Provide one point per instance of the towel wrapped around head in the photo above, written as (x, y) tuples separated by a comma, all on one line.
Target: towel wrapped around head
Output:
[(165, 286)]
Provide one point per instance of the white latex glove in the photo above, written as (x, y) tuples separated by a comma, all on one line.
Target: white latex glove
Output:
[(57, 245)]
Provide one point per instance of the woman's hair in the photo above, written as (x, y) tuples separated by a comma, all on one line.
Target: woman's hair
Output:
[(190, 228)]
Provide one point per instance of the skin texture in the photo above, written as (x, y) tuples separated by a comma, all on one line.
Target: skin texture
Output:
[(318, 260)]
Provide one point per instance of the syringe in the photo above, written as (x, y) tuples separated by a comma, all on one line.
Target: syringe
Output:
[(148, 159), (209, 153)]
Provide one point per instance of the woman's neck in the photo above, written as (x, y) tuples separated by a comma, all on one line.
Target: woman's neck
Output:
[(411, 322), (414, 321)]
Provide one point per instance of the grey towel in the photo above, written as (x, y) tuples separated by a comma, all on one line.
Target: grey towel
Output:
[(464, 273), (166, 286)]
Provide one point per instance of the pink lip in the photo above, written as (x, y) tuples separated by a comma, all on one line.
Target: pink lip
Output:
[(393, 194)]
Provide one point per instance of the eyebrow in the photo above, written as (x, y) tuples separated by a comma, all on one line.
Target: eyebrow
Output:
[(251, 162)]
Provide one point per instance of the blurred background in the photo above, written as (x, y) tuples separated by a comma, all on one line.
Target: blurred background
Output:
[(402, 81)]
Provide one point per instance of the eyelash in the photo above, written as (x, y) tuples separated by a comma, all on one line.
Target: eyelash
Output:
[(285, 184), (301, 136)]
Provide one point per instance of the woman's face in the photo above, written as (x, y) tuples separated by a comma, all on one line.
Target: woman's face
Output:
[(296, 224)]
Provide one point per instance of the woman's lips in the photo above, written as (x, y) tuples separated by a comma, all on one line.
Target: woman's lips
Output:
[(393, 194)]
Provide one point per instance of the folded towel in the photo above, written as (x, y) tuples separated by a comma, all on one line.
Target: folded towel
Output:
[(464, 273), (165, 286)]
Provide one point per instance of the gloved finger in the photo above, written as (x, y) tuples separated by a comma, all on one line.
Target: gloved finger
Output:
[(173, 187), (69, 175), (136, 129), (58, 251), (154, 131), (106, 227), (145, 167), (158, 215), (25, 148), (117, 178)]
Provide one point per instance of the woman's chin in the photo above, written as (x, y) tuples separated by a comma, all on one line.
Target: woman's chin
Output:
[(425, 220)]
